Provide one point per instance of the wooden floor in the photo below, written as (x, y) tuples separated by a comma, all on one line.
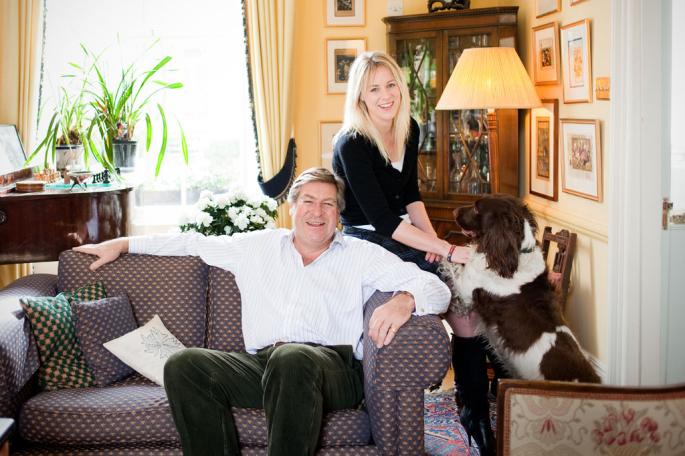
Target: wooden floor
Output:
[(448, 381)]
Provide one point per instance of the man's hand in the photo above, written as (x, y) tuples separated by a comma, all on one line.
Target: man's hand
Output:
[(389, 317), (106, 252)]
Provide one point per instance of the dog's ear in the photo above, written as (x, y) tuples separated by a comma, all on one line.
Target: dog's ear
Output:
[(528, 215), (501, 242)]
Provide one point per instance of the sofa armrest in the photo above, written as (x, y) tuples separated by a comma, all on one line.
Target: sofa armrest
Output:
[(18, 353), (418, 356), (396, 375)]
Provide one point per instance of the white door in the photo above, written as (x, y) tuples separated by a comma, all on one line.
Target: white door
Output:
[(674, 234)]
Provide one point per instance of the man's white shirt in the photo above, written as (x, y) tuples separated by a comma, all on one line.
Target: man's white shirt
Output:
[(285, 301)]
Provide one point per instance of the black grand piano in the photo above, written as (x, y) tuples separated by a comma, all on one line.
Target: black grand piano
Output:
[(37, 226)]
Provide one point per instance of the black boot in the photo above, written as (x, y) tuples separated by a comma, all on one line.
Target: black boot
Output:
[(471, 384), (497, 367)]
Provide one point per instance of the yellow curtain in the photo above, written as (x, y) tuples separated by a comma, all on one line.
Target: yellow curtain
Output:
[(21, 29), (270, 35)]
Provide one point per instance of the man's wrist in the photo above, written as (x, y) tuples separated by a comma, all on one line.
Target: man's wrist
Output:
[(408, 295)]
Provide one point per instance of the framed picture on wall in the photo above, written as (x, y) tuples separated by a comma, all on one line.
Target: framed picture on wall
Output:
[(581, 158), (340, 53), (545, 7), (327, 129), (576, 62), (345, 13), (546, 54), (575, 2), (544, 156)]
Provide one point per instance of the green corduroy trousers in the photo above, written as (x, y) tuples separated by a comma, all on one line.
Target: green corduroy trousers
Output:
[(295, 384)]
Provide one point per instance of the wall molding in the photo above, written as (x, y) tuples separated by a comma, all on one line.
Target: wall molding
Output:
[(572, 221)]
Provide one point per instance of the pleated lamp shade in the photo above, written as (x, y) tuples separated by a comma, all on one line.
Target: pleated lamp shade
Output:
[(489, 78)]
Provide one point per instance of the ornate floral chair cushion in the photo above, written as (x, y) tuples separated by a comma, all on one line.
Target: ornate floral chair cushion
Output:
[(541, 418)]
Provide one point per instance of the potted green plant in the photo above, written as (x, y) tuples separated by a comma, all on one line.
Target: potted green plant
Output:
[(63, 141), (117, 109)]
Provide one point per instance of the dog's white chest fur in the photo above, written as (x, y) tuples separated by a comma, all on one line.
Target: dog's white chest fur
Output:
[(463, 279)]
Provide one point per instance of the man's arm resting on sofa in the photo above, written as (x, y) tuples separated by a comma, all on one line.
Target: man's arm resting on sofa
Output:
[(106, 252), (389, 317), (418, 356)]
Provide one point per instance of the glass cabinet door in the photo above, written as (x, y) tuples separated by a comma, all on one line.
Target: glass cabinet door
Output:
[(469, 157), (416, 57)]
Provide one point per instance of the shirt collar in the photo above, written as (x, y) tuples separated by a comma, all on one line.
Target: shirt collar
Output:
[(338, 239)]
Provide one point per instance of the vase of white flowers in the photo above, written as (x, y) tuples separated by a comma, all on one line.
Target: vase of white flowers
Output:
[(231, 213)]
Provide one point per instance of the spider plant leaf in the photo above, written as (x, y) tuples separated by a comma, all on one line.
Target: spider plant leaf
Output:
[(148, 138), (162, 149), (184, 143), (50, 132)]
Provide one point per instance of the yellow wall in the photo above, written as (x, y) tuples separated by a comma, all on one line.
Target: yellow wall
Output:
[(587, 307)]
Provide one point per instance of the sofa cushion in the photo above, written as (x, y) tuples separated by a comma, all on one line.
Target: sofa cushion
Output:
[(100, 321), (341, 427), (223, 311), (175, 288), (61, 361), (146, 349), (131, 411)]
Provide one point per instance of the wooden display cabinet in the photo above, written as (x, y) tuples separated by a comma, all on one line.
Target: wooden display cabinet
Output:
[(427, 47)]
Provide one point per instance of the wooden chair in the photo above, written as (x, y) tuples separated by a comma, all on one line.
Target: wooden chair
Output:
[(563, 259), (541, 417)]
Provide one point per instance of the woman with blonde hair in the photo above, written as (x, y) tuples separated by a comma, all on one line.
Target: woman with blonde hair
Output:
[(376, 155)]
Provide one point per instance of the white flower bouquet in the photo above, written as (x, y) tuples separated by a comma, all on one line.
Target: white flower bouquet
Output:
[(231, 213)]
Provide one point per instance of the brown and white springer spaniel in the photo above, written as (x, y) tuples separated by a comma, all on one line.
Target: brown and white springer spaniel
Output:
[(506, 283)]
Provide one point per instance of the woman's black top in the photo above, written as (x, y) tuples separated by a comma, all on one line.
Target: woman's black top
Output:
[(375, 192)]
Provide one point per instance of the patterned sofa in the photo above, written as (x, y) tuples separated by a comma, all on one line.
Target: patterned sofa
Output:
[(201, 306)]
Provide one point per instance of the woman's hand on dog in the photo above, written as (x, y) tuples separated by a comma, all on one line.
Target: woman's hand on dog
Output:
[(461, 255), (433, 257), (388, 318)]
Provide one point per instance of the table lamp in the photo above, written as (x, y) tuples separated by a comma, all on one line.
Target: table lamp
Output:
[(486, 78)]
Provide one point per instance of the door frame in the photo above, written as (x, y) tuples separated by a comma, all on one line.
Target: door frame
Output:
[(640, 41)]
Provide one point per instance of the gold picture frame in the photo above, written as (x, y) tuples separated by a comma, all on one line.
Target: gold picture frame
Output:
[(576, 62), (545, 48), (545, 7), (544, 150), (345, 13), (340, 53), (581, 158)]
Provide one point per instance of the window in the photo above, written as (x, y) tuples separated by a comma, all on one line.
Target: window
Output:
[(206, 42)]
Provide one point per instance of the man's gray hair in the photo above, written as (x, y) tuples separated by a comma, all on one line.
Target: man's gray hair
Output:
[(318, 175)]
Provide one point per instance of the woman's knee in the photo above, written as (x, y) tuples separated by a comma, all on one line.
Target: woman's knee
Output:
[(463, 326)]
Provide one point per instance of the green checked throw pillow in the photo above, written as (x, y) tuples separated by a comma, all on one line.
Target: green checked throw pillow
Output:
[(61, 361)]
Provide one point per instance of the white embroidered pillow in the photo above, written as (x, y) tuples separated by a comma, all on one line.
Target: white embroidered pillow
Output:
[(146, 349)]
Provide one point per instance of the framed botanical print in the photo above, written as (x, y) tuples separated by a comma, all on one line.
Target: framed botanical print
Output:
[(327, 129), (546, 54), (545, 7), (345, 12), (543, 156), (340, 53), (581, 158), (576, 62)]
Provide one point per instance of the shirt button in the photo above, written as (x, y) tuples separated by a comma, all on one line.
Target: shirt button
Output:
[(397, 197)]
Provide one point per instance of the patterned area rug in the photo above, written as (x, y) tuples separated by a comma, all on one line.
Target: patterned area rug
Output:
[(444, 435)]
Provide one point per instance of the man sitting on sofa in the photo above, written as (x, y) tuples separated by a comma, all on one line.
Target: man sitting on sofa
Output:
[(303, 293)]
